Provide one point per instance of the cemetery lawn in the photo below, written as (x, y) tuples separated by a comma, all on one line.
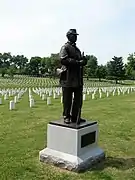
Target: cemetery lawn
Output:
[(23, 135)]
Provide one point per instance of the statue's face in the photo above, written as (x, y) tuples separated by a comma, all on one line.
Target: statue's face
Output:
[(72, 38)]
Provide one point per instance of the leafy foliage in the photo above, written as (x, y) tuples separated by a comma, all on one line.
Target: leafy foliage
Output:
[(115, 68), (46, 66)]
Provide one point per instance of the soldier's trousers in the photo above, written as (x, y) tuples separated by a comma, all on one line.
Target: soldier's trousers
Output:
[(72, 106)]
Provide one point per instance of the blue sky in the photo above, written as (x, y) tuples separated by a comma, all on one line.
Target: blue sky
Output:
[(38, 27)]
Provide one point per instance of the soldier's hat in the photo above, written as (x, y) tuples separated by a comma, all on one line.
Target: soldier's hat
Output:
[(72, 31)]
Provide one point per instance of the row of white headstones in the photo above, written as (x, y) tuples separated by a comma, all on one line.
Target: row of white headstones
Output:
[(17, 93), (49, 93), (27, 82), (42, 81)]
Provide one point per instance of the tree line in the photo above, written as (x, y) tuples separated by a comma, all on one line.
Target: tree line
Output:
[(115, 69)]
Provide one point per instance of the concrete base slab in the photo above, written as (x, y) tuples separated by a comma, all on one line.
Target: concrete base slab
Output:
[(70, 162)]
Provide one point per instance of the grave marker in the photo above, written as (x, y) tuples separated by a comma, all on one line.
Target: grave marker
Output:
[(12, 105)]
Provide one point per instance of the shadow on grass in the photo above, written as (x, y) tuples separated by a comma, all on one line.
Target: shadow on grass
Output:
[(118, 163), (111, 162)]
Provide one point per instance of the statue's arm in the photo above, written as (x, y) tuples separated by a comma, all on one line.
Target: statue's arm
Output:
[(64, 58), (84, 60)]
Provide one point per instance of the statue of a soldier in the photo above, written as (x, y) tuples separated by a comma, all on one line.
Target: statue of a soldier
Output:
[(71, 78)]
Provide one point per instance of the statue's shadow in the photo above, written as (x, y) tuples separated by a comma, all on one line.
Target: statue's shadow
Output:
[(118, 163)]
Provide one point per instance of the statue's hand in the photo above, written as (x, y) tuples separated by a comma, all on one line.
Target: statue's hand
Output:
[(81, 62)]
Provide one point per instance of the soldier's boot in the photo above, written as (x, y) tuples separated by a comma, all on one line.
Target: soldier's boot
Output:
[(74, 120), (66, 120), (82, 120)]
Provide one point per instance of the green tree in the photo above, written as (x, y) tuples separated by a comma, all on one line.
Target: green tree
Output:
[(4, 62), (101, 72), (20, 62), (11, 71), (55, 63), (35, 65), (44, 68), (130, 66), (115, 68), (0, 60), (91, 66)]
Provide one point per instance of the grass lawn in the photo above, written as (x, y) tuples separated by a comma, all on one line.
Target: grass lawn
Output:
[(23, 135)]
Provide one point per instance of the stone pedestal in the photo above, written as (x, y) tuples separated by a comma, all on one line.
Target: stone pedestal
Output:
[(72, 147)]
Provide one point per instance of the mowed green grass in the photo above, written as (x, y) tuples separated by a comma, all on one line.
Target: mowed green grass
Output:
[(23, 133)]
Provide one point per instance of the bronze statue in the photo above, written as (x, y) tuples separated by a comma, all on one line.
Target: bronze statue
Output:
[(71, 78)]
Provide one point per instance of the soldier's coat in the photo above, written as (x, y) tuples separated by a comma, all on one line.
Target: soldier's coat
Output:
[(73, 76)]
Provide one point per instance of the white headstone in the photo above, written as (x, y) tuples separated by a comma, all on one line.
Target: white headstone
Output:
[(31, 102), (88, 92), (5, 97), (19, 96), (10, 93), (48, 100), (54, 95), (0, 100), (84, 97), (128, 91), (15, 99), (61, 99), (30, 97), (12, 105), (43, 97), (93, 96), (50, 93), (40, 94)]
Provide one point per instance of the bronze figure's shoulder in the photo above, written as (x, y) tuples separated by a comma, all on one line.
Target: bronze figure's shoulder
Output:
[(64, 46)]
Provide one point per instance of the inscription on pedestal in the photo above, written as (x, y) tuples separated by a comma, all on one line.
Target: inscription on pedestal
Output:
[(88, 139)]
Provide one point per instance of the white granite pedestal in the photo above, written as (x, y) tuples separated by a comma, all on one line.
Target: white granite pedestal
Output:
[(72, 147)]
